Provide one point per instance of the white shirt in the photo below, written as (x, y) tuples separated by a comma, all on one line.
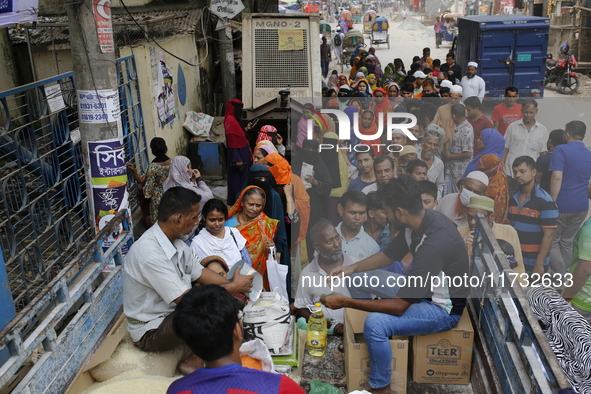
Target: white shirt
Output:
[(473, 87), (312, 286), (361, 246), (371, 188), (520, 142), (155, 273), (436, 175), (205, 245)]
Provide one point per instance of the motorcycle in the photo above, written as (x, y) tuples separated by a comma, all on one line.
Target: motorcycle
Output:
[(560, 72)]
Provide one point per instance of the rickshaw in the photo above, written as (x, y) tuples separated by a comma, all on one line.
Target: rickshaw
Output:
[(352, 39), (449, 30), (379, 32), (347, 16), (356, 11), (368, 19), (325, 31)]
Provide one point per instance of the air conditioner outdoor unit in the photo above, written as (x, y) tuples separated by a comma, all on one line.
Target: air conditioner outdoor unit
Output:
[(280, 51)]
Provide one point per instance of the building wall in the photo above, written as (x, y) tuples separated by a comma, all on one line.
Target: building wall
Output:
[(130, 3), (182, 46)]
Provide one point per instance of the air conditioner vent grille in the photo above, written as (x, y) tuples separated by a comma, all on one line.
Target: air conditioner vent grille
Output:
[(279, 69)]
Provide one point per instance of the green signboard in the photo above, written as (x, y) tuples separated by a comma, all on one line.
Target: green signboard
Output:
[(525, 57)]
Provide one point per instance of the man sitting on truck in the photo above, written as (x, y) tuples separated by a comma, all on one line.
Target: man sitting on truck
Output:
[(160, 269), (418, 308), (208, 320)]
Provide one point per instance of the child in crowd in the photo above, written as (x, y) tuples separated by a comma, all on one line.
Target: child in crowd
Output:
[(428, 194)]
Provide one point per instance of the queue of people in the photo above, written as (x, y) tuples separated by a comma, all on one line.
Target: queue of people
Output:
[(407, 211)]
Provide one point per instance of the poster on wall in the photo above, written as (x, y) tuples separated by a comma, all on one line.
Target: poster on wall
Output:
[(165, 102), (108, 179)]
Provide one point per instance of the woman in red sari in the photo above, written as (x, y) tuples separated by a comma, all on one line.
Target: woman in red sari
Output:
[(259, 230), (498, 185)]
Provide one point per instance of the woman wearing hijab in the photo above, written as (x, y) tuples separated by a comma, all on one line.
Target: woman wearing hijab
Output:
[(394, 96), (368, 126), (498, 184), (270, 133), (333, 82), (491, 142), (339, 174), (358, 77), (262, 178), (363, 88), (343, 80), (181, 174), (373, 82), (281, 171), (239, 154)]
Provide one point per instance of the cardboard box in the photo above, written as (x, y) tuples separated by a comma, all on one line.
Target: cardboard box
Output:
[(357, 364), (446, 357), (83, 379)]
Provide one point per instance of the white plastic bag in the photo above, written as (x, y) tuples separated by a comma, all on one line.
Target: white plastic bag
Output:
[(268, 319), (277, 274), (198, 124), (257, 349)]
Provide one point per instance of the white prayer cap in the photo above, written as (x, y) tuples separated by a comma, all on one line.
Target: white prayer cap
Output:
[(446, 83), (474, 64), (456, 89), (479, 176)]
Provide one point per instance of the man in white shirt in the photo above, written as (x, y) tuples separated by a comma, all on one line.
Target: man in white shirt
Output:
[(338, 49), (472, 84), (525, 137), (314, 280), (160, 268), (353, 210)]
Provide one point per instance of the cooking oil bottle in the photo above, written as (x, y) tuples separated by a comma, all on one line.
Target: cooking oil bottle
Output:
[(317, 332)]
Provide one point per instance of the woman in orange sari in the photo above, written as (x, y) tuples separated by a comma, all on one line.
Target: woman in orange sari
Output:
[(498, 186), (368, 126), (258, 229)]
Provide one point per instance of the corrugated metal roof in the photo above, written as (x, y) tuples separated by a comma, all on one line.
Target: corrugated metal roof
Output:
[(162, 23)]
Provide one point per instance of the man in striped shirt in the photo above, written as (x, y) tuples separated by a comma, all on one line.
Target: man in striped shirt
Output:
[(534, 215)]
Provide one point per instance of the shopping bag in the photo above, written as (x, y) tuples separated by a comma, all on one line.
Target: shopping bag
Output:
[(268, 319), (277, 274)]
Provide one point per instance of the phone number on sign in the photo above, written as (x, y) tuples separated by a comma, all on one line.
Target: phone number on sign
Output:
[(537, 280), (94, 117)]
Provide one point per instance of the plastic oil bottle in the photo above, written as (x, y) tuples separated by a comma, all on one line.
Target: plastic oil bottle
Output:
[(317, 332)]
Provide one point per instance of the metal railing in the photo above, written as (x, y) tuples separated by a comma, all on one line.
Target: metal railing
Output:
[(71, 314), (45, 217), (522, 357)]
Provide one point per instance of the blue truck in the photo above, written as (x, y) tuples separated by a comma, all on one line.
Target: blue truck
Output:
[(510, 50)]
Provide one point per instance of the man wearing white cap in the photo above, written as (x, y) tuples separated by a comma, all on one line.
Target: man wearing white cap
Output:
[(418, 83), (455, 205), (472, 84)]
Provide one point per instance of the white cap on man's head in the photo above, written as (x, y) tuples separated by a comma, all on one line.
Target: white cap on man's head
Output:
[(473, 64), (419, 74), (446, 83), (456, 89), (479, 176)]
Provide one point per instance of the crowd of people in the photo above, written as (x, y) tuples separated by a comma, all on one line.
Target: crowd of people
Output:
[(349, 211)]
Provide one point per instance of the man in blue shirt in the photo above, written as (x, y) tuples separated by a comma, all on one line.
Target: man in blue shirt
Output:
[(207, 319), (533, 214), (571, 164)]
